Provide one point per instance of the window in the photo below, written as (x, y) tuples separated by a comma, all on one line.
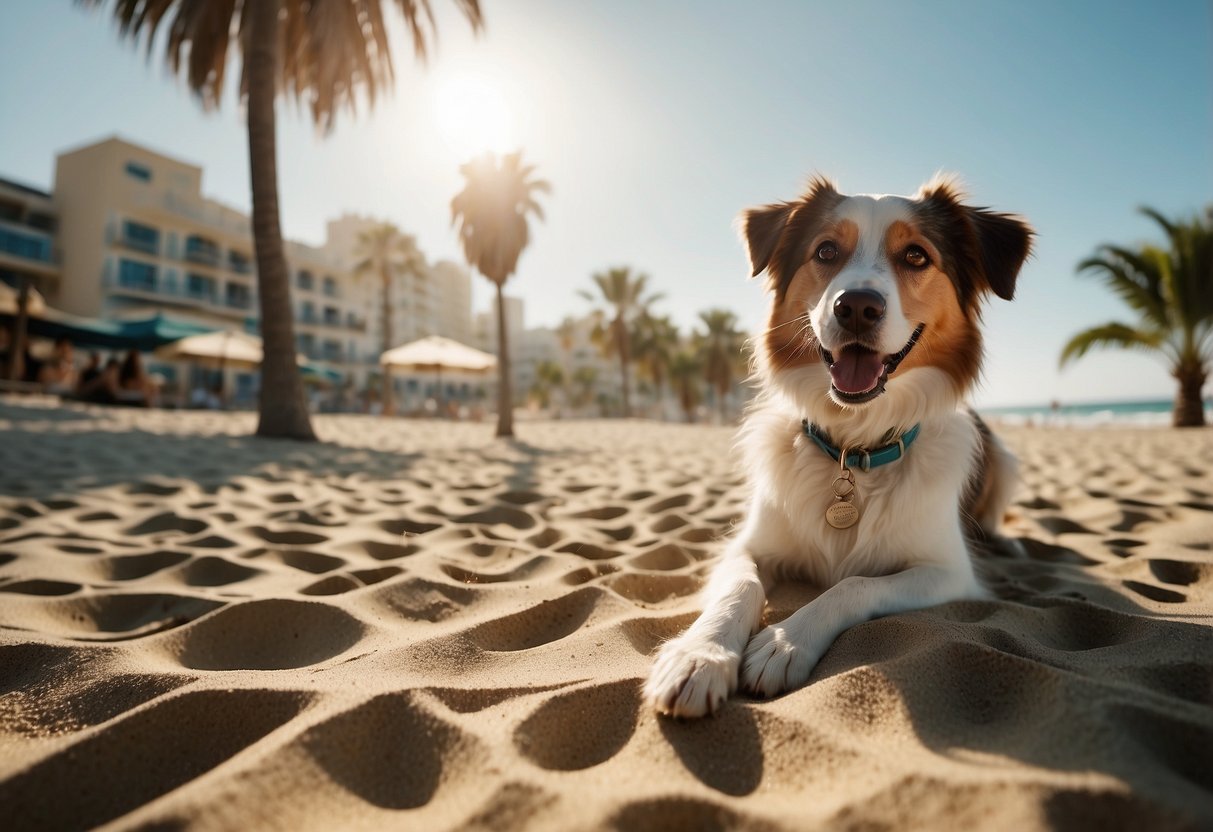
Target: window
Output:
[(141, 237), (304, 280), (239, 296), (135, 275), (332, 351), (239, 263), (43, 222), (28, 246), (201, 250), (332, 316), (200, 287), (306, 344), (308, 312), (330, 287), (138, 171)]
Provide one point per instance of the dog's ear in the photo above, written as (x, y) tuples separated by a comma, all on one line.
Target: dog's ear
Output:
[(1005, 241), (761, 229)]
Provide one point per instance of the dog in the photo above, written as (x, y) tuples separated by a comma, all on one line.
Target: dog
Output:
[(867, 475)]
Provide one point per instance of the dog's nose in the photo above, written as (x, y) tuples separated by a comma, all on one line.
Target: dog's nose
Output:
[(858, 310)]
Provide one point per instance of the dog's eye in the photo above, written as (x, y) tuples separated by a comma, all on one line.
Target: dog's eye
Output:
[(916, 257), (826, 252)]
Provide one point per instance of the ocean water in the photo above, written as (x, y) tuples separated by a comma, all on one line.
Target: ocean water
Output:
[(1148, 413)]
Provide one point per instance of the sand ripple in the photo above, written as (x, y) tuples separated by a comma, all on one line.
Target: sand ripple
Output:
[(413, 625)]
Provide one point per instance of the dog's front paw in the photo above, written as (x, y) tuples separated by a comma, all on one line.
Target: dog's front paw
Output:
[(691, 677), (774, 662)]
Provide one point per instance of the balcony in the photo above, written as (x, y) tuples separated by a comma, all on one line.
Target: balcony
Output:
[(139, 237), (141, 281), (238, 297), (201, 250), (239, 263), (27, 246)]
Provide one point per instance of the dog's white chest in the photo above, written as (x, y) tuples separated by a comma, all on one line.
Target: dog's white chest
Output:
[(901, 509)]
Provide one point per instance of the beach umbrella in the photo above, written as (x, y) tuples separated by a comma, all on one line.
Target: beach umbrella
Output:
[(222, 348), (437, 354), (10, 301)]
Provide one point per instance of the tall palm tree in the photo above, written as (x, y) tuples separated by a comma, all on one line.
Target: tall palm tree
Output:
[(1171, 290), (720, 349), (686, 376), (624, 294), (490, 215), (566, 337), (654, 341), (548, 376), (586, 379), (385, 253), (327, 53)]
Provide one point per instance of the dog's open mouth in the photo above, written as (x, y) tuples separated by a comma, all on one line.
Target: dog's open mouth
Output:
[(858, 374)]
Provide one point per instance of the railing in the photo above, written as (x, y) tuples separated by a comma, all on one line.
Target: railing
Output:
[(145, 246), (198, 251), (25, 242), (170, 292)]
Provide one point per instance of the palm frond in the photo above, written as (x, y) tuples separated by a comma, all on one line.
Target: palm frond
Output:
[(1110, 335)]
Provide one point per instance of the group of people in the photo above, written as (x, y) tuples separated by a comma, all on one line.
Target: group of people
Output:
[(117, 381)]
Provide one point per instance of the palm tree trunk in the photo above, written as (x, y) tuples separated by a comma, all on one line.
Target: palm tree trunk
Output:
[(505, 396), (1189, 407), (621, 341), (282, 405), (720, 394), (388, 400), (16, 344)]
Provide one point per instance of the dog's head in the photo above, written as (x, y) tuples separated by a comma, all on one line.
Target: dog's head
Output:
[(869, 289)]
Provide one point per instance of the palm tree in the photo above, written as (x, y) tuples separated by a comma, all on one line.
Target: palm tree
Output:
[(720, 349), (653, 343), (386, 253), (586, 379), (1171, 290), (327, 53), (548, 376), (626, 300), (490, 214), (566, 336), (686, 375)]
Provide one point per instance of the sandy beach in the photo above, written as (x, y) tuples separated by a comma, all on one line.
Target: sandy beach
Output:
[(413, 625)]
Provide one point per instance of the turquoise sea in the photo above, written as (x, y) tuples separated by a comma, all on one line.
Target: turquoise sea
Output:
[(1145, 412)]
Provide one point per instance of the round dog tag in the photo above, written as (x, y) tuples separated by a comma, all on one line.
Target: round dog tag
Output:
[(842, 515)]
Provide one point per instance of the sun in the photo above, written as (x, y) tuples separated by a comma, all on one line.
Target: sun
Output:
[(472, 116)]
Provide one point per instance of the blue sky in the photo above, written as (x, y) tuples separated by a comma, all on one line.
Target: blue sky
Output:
[(656, 125)]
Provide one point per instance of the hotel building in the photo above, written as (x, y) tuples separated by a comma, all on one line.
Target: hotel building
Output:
[(127, 233)]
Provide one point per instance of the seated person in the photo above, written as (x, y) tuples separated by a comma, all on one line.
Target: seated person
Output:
[(91, 371), (105, 387), (134, 386), (58, 373)]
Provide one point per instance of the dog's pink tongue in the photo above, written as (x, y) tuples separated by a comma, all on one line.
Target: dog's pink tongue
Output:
[(856, 371)]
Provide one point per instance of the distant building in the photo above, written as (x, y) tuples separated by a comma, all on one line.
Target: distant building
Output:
[(127, 233), (27, 238), (435, 301), (137, 237)]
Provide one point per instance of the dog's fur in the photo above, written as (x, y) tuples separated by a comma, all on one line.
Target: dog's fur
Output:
[(909, 549)]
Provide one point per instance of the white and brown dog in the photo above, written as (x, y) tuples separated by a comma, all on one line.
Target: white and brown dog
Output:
[(867, 475)]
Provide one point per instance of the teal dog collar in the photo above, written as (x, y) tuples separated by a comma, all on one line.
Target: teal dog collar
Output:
[(859, 458)]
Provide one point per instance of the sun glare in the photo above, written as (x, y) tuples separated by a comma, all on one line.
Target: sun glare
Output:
[(473, 117)]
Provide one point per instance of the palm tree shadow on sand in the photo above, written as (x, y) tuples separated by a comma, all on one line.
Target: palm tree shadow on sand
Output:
[(83, 459)]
